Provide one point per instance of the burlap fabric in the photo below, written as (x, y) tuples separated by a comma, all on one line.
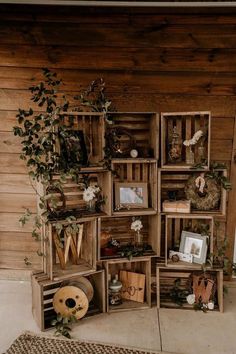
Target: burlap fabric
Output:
[(29, 343)]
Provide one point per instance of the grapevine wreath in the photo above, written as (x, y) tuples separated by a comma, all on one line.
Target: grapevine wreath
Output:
[(203, 191)]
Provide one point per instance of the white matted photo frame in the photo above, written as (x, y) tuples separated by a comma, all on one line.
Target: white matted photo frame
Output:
[(131, 194), (195, 244)]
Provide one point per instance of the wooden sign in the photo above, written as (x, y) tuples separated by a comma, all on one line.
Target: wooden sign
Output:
[(133, 286)]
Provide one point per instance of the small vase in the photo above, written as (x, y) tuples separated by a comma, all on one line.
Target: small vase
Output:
[(138, 239), (91, 206), (190, 157), (201, 153)]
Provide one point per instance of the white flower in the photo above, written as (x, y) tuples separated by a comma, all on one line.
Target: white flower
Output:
[(211, 305), (190, 299), (194, 139), (197, 135), (88, 194), (186, 142), (136, 225)]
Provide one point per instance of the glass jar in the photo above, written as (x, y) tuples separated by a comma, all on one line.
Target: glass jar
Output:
[(201, 153), (115, 287), (138, 240), (190, 158), (91, 206), (175, 147)]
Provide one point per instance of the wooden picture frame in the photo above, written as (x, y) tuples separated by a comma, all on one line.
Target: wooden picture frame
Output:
[(127, 196), (195, 244)]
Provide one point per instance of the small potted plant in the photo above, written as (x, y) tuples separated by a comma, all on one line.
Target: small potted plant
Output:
[(111, 249)]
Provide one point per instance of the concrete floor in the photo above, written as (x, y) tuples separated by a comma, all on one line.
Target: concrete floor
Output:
[(185, 332)]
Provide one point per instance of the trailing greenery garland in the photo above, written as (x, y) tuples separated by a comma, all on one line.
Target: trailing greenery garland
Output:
[(41, 133)]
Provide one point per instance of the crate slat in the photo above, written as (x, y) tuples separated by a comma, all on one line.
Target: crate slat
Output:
[(42, 298), (165, 282), (186, 125)]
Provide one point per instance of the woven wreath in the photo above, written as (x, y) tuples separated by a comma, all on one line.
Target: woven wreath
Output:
[(209, 199)]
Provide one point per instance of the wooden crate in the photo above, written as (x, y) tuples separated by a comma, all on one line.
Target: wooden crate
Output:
[(176, 181), (186, 123), (136, 170), (43, 290), (55, 251), (73, 191), (165, 282), (119, 229), (142, 266), (144, 128), (93, 126), (175, 224)]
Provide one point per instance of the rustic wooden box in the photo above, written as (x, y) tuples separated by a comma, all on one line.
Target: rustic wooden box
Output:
[(165, 282), (93, 126), (186, 123), (43, 290), (73, 192), (136, 170), (175, 224), (144, 127), (119, 229), (87, 259), (176, 180), (142, 266)]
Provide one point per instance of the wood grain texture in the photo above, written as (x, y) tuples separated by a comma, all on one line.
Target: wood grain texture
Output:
[(161, 60), (151, 62), (17, 203), (15, 183)]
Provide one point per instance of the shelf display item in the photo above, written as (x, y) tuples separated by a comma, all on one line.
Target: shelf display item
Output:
[(175, 146), (133, 286), (176, 206), (115, 295), (194, 244), (73, 299), (204, 192)]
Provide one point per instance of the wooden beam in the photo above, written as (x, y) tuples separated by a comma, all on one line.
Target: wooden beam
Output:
[(231, 218)]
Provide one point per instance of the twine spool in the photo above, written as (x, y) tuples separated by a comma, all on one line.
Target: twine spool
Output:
[(73, 299)]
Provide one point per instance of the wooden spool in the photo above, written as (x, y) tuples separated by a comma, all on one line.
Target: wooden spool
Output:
[(73, 299)]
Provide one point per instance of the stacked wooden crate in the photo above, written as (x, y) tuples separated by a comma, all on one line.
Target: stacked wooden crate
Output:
[(58, 268), (173, 177), (161, 230)]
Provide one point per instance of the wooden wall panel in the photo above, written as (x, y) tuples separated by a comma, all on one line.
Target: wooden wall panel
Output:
[(150, 61)]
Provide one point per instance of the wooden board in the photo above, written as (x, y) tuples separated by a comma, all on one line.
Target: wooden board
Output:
[(133, 286)]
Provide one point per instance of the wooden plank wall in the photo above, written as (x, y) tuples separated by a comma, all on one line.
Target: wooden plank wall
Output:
[(151, 61)]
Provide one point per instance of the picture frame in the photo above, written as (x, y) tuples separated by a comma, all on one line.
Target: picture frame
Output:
[(195, 244), (73, 147), (131, 195)]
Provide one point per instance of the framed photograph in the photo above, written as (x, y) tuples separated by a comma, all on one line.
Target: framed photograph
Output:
[(195, 244), (131, 195), (73, 147)]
